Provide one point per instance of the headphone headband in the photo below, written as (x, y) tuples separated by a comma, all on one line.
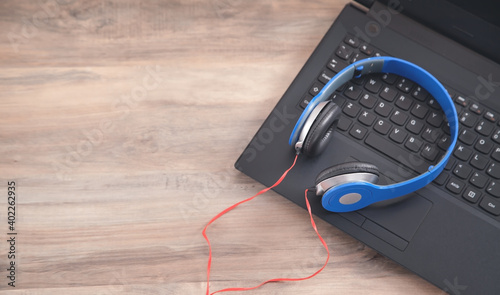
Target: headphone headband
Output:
[(372, 193)]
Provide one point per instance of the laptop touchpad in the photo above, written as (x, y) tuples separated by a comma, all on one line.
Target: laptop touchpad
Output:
[(401, 218)]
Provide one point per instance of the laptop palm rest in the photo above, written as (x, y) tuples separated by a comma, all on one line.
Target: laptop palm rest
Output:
[(379, 221)]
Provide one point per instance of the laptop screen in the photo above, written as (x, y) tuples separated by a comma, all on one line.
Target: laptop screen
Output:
[(473, 23)]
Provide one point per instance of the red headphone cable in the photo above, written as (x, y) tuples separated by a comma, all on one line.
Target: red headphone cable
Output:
[(249, 199)]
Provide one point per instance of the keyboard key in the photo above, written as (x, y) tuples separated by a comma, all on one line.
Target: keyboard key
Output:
[(430, 152), (491, 205), (446, 128), (483, 146), (420, 93), (388, 94), (435, 119), (389, 78), (494, 189), (358, 56), (358, 132), (468, 119), (341, 88), (450, 164), (496, 136), (462, 101), (382, 126), (396, 153), (413, 144), (490, 117), (368, 101), (344, 123), (326, 76), (305, 101), (337, 99), (359, 80), (373, 85), (472, 195), (441, 179), (444, 143), (315, 89), (496, 154), (414, 126), (467, 137), (431, 135), (383, 109), (336, 65), (462, 171), (419, 111), (494, 170), (352, 41), (366, 49), (344, 52), (433, 104), (398, 135), (403, 102), (399, 118), (367, 118), (455, 186), (462, 152), (352, 92), (351, 110), (476, 108), (479, 180), (404, 85), (479, 162), (484, 128)]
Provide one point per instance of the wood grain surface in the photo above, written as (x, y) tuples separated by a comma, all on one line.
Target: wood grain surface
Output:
[(120, 122)]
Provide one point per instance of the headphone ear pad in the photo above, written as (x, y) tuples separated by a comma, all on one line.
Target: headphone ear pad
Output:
[(348, 168), (317, 137)]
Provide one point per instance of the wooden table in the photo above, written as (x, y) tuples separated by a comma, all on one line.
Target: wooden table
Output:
[(120, 122)]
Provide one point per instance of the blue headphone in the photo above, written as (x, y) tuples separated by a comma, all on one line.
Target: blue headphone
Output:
[(352, 186)]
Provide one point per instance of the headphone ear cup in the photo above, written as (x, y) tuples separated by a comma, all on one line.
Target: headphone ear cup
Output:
[(317, 137), (346, 172)]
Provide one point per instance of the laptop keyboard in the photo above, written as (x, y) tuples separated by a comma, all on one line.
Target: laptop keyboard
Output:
[(399, 119)]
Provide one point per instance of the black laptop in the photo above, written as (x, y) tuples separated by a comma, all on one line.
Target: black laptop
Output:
[(448, 232)]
